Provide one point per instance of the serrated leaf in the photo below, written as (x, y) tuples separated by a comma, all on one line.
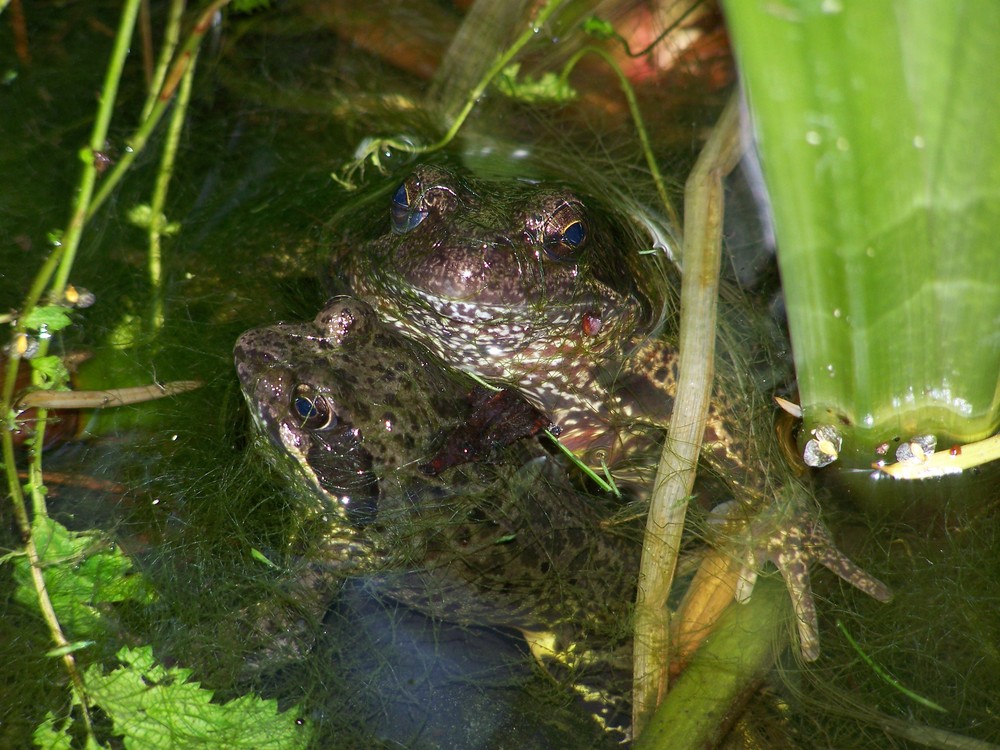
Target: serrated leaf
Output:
[(81, 572), (154, 707), (51, 368), (50, 737), (49, 317)]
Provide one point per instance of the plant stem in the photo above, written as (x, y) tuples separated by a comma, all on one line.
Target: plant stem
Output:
[(137, 142), (703, 202), (640, 127), (159, 199), (717, 681), (59, 265)]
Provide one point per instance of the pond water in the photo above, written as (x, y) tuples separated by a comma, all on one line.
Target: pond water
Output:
[(282, 99)]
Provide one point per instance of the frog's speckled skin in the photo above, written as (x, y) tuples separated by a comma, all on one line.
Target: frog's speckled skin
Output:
[(508, 543), (498, 281)]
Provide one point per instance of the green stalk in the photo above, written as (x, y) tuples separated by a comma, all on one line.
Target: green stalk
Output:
[(137, 142), (157, 220), (372, 150), (700, 706), (875, 123), (59, 264)]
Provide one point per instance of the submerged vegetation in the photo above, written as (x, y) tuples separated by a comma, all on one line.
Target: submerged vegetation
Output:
[(147, 596)]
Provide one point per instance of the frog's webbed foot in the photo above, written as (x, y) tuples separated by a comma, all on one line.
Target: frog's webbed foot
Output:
[(792, 546)]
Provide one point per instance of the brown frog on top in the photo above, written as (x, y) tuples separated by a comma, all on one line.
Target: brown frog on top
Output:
[(522, 284)]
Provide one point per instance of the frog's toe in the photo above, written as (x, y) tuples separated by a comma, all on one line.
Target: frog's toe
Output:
[(792, 548), (825, 552)]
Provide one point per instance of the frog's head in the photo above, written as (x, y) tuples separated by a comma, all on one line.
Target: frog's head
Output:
[(348, 399), (480, 271)]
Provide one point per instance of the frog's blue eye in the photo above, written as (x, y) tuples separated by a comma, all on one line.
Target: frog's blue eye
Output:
[(561, 245), (405, 216), (574, 234), (305, 408), (316, 413)]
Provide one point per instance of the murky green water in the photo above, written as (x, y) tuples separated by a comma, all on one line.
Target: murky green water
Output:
[(279, 103)]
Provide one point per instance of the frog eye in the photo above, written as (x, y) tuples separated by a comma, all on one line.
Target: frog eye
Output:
[(562, 228), (314, 409), (405, 214), (573, 234), (563, 244)]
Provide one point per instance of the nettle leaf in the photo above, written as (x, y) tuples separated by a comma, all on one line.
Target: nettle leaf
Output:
[(50, 737), (48, 317), (153, 707), (81, 572), (51, 368)]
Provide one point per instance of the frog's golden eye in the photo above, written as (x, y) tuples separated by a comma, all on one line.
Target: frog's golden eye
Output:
[(314, 409)]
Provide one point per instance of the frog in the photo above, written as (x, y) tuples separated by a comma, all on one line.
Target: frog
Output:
[(500, 537), (521, 283)]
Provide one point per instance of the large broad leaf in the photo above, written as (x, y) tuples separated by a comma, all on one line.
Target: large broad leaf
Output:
[(875, 126)]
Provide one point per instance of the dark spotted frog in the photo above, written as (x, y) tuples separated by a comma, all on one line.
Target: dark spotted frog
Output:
[(362, 411), (520, 283)]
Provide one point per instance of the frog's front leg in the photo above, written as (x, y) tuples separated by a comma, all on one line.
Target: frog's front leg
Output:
[(792, 537)]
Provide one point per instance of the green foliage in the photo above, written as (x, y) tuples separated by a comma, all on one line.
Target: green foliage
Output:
[(48, 317), (153, 706), (141, 216), (599, 29), (52, 369), (83, 573), (875, 127), (548, 88), (149, 705)]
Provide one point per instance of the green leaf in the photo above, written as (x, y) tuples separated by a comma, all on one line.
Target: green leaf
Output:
[(48, 317), (81, 572), (48, 737), (548, 89), (126, 332), (52, 369), (152, 707), (69, 648), (876, 132), (141, 216), (599, 28), (259, 556)]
